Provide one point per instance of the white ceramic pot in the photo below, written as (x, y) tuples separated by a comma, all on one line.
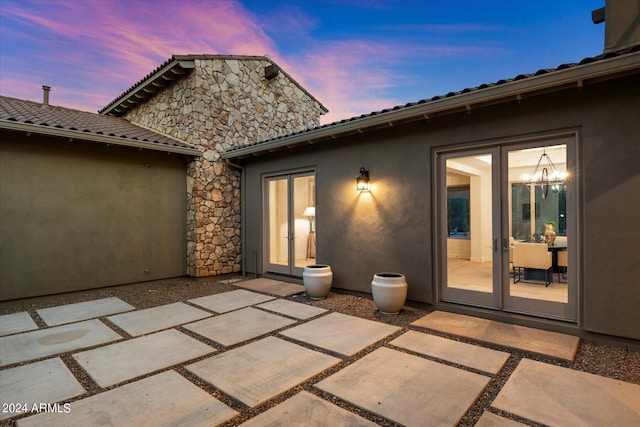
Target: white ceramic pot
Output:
[(317, 279), (389, 292)]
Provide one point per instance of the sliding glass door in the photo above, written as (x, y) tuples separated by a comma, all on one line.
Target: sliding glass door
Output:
[(290, 222), (506, 227)]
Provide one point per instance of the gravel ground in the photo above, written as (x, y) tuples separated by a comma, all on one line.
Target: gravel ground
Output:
[(617, 362)]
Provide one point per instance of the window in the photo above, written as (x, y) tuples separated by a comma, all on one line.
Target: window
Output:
[(458, 212), (553, 209)]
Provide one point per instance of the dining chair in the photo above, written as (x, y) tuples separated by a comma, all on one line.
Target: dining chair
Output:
[(532, 262)]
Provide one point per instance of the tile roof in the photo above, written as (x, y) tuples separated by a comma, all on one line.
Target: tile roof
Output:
[(175, 68), (48, 119), (452, 101)]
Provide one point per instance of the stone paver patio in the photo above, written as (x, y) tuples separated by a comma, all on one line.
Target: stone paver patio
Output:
[(177, 376), (340, 333), (16, 322), (149, 402), (237, 326), (157, 318), (261, 370), (125, 360), (229, 301), (558, 396), (53, 316), (59, 339), (46, 381), (551, 344), (406, 389)]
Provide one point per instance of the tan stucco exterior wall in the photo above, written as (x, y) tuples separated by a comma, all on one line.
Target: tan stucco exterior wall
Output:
[(391, 228), (224, 103), (81, 215)]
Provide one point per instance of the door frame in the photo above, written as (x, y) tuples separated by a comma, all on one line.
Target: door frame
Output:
[(290, 175), (501, 301), (480, 299)]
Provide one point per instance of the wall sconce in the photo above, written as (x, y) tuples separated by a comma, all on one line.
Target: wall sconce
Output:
[(362, 181)]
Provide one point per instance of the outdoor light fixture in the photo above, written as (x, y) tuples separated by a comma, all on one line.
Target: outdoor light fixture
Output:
[(362, 181), (545, 176)]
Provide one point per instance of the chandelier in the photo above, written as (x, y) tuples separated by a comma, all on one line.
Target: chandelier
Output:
[(546, 175)]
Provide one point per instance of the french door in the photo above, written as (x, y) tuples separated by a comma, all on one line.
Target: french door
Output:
[(289, 225), (491, 200)]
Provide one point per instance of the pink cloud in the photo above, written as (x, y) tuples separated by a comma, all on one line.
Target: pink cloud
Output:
[(95, 50)]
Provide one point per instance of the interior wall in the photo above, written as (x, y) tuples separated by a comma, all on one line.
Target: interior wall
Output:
[(82, 215)]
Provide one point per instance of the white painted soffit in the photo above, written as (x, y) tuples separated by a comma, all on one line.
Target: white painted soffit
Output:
[(513, 90), (92, 137)]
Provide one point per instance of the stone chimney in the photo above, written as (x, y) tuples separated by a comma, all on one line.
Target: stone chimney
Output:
[(622, 24)]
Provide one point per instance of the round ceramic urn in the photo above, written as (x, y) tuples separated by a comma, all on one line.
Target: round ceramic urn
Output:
[(317, 279), (389, 292)]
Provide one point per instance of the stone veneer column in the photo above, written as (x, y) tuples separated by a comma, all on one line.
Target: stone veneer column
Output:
[(224, 103)]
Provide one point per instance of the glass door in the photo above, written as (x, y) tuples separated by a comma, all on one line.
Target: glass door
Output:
[(506, 228), (290, 243), (539, 205), (469, 226)]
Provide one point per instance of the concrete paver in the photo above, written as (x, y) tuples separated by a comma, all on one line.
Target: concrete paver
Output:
[(341, 333), (59, 339), (229, 301), (53, 316), (306, 410), (406, 389), (125, 360), (472, 356), (492, 420), (551, 344), (165, 399), (237, 326), (157, 318), (558, 396), (292, 309), (47, 381), (261, 370), (16, 322), (273, 287)]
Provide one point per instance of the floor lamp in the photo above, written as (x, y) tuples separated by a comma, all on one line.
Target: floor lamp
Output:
[(310, 213)]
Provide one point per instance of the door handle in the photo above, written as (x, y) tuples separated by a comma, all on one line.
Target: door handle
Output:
[(495, 244), (505, 244)]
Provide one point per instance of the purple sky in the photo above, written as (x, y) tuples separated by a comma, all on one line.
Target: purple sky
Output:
[(354, 56)]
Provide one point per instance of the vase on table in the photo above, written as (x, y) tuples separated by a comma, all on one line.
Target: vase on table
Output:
[(549, 234)]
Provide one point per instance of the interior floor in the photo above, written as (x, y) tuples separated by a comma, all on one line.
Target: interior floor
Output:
[(478, 276)]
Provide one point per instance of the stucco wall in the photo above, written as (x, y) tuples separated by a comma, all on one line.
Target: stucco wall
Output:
[(224, 103), (80, 215), (391, 228)]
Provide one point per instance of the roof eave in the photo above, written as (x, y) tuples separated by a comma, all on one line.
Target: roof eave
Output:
[(171, 72), (557, 79), (106, 139)]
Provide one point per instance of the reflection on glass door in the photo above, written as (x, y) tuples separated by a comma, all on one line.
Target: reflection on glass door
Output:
[(290, 223), (506, 219)]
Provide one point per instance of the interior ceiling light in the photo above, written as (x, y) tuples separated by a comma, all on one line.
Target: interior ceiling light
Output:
[(545, 175)]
